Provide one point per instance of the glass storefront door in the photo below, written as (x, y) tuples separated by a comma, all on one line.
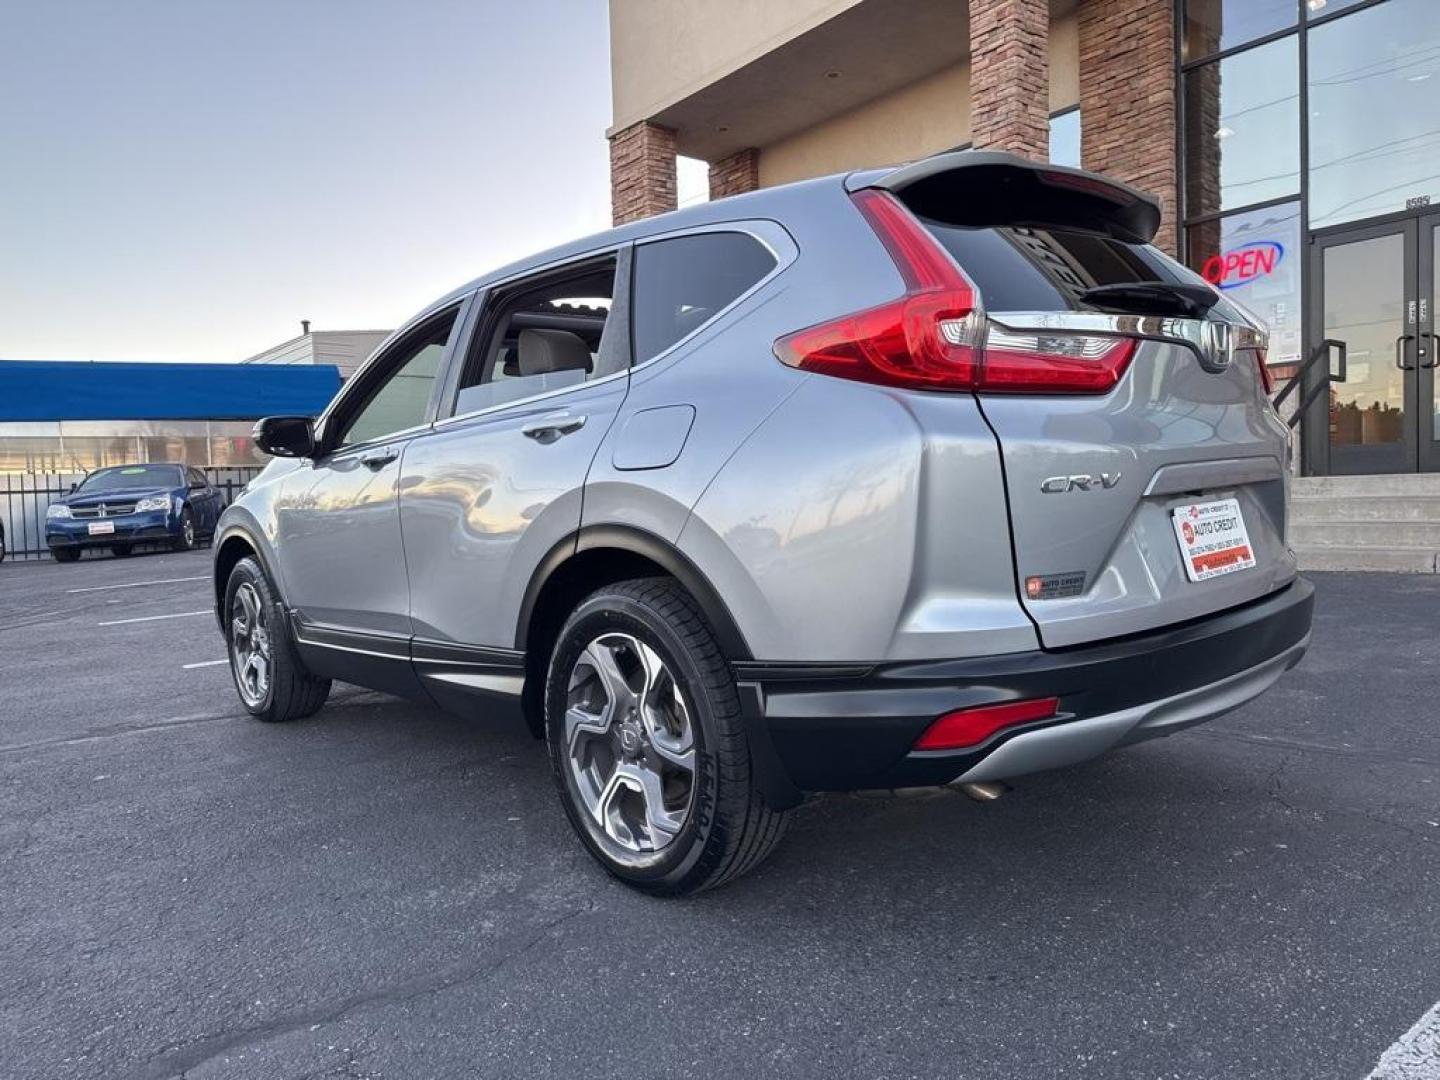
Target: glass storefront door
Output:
[(1375, 294)]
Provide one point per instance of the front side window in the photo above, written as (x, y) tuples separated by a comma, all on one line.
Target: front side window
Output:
[(683, 283), (407, 376), (542, 334)]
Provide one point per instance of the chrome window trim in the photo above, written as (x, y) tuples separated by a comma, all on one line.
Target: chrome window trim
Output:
[(770, 234), (1213, 342)]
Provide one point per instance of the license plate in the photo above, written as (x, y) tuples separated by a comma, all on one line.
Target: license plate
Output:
[(1213, 540), (102, 528)]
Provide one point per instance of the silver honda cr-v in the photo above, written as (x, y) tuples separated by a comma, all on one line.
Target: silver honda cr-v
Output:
[(927, 475)]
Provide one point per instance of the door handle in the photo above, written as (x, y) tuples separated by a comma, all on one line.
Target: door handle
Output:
[(549, 428), (1400, 352), (376, 460), (1434, 348)]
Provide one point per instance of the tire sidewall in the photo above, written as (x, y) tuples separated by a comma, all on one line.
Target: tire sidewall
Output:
[(247, 570), (182, 543), (603, 612)]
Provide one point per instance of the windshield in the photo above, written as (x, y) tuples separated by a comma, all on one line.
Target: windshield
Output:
[(131, 478)]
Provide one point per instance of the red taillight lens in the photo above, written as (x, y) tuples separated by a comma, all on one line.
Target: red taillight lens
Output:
[(1267, 378), (936, 336), (971, 727)]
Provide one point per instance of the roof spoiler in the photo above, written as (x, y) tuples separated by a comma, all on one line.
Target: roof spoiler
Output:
[(986, 188)]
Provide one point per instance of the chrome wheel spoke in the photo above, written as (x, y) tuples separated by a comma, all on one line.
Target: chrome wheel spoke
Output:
[(630, 746)]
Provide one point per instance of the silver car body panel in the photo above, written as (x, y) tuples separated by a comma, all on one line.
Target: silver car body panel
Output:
[(838, 521)]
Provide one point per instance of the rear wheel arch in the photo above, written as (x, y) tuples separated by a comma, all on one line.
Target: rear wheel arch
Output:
[(591, 559)]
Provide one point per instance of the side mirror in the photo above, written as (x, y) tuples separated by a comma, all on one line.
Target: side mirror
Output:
[(73, 486), (286, 436)]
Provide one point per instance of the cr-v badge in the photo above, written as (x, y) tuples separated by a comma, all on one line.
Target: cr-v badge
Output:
[(1055, 485)]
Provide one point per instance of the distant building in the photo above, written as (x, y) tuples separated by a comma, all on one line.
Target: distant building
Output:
[(346, 349)]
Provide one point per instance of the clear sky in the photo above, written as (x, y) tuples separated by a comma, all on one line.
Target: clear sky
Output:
[(187, 179)]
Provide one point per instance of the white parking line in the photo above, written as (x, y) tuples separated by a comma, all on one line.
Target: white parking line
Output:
[(1416, 1054), (203, 663), (153, 618), (137, 584)]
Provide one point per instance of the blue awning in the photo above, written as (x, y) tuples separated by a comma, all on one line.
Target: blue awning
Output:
[(66, 390)]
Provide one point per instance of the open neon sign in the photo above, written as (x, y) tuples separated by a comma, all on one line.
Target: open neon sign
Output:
[(1244, 264)]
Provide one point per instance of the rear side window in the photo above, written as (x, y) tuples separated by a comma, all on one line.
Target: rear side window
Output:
[(1027, 269), (682, 284)]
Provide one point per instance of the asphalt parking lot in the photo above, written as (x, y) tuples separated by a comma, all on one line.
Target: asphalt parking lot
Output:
[(387, 891)]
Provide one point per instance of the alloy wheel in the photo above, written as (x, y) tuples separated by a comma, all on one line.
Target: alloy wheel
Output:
[(629, 746), (250, 645)]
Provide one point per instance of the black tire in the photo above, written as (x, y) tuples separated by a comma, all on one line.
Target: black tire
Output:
[(186, 540), (69, 554), (728, 829), (291, 692), (120, 551)]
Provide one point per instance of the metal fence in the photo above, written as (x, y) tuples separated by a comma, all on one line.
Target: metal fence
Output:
[(24, 498)]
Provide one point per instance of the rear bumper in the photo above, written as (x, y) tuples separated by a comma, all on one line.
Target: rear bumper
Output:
[(828, 727)]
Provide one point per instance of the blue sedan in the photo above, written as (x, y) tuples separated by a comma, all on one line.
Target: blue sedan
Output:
[(133, 504)]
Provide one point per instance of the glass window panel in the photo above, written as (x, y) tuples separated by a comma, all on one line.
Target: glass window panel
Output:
[(1065, 138), (681, 284), (1255, 259), (1212, 26), (1242, 128), (1318, 9), (1374, 129)]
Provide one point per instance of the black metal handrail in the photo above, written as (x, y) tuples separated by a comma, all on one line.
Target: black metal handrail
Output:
[(1320, 352)]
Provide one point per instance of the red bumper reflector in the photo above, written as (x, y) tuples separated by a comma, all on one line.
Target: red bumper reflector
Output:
[(971, 727)]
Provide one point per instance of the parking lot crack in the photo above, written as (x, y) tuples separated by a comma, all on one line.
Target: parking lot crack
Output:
[(179, 1060)]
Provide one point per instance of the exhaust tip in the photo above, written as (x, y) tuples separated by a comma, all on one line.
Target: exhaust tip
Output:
[(983, 791)]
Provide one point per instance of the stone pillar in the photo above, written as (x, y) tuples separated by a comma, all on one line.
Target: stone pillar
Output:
[(1010, 76), (735, 174), (1128, 100), (642, 172)]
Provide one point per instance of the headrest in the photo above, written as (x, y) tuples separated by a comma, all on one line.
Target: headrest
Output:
[(544, 351)]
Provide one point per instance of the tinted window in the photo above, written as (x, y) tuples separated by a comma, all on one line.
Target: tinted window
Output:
[(1242, 128), (1372, 106), (1047, 269), (399, 401), (682, 284), (1214, 25), (132, 478)]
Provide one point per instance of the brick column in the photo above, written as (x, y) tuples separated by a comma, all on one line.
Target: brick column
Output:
[(642, 172), (736, 174), (1127, 98), (1010, 76)]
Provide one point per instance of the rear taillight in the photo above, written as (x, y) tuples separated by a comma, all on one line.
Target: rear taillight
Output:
[(936, 336), (970, 727), (1267, 378)]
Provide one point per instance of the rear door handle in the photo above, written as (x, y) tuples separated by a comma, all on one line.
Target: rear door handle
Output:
[(549, 428), (376, 460)]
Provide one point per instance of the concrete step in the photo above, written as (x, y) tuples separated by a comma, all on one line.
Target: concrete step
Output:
[(1306, 508), (1393, 484), (1390, 560), (1372, 534)]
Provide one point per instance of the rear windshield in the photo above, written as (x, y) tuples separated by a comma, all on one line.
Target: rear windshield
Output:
[(132, 478), (1025, 269)]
